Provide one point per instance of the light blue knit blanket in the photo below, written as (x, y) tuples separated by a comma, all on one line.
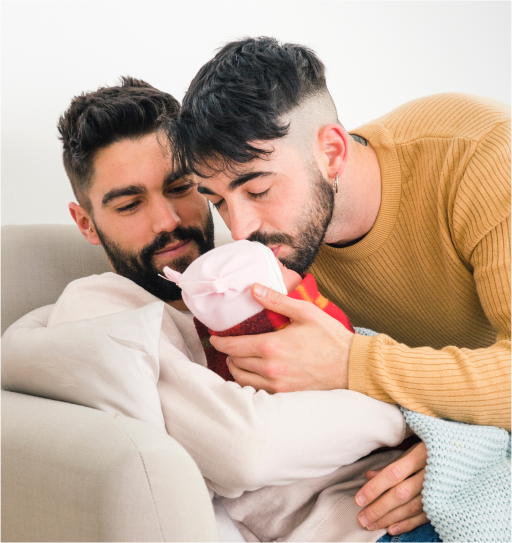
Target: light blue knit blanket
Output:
[(466, 493)]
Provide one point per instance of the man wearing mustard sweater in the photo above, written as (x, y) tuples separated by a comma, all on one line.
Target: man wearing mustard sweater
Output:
[(405, 223)]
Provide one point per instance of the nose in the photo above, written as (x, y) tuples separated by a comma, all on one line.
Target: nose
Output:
[(164, 217), (242, 222)]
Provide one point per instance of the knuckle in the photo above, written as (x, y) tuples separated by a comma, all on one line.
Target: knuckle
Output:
[(276, 297), (394, 472), (416, 507), (371, 491), (272, 370), (374, 511), (403, 493), (268, 349)]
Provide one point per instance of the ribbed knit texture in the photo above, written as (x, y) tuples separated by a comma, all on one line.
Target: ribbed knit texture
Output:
[(466, 493), (433, 274)]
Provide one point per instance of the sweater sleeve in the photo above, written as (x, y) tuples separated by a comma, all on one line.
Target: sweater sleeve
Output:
[(465, 385)]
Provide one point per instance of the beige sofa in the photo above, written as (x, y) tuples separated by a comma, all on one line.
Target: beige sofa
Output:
[(71, 473)]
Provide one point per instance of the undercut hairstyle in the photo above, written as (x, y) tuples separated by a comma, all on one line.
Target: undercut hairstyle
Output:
[(95, 120), (242, 96)]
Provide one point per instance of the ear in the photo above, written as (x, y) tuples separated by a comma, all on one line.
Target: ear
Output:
[(333, 147), (84, 223)]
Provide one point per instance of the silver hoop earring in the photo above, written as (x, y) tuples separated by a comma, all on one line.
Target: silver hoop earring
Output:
[(336, 183), (90, 229)]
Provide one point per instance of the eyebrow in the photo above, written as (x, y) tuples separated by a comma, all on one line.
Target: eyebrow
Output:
[(238, 182), (130, 190), (134, 190)]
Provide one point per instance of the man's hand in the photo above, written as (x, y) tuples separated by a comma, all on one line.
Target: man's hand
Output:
[(311, 353), (394, 494)]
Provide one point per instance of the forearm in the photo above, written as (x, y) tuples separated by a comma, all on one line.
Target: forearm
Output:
[(244, 440), (465, 385)]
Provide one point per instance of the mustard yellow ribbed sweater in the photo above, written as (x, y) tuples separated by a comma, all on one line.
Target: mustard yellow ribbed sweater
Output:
[(433, 274)]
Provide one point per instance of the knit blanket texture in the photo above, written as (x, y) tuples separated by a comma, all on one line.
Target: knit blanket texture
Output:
[(466, 493)]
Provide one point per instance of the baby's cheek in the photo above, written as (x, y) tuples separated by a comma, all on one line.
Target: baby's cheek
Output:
[(291, 279)]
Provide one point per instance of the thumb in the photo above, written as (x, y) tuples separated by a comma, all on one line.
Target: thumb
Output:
[(296, 310)]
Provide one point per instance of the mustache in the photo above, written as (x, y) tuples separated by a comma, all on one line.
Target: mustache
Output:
[(275, 238), (180, 233)]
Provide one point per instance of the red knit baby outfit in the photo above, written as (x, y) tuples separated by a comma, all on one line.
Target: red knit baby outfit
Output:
[(265, 321)]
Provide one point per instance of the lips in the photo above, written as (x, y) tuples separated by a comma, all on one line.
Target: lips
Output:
[(171, 248), (275, 250)]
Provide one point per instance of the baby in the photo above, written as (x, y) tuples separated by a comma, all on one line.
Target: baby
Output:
[(217, 289)]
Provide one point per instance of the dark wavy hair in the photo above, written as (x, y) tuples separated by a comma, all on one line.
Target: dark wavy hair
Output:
[(95, 120), (239, 97)]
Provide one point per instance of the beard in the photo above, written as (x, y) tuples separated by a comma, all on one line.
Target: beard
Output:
[(310, 226), (139, 267)]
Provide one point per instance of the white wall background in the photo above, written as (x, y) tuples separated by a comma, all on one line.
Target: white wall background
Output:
[(378, 56)]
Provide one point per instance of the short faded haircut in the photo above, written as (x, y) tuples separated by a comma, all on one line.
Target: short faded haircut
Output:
[(243, 95)]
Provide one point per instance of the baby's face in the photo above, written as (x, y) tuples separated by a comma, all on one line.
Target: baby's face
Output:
[(291, 279)]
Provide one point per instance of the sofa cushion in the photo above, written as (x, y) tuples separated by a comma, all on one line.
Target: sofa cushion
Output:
[(38, 261)]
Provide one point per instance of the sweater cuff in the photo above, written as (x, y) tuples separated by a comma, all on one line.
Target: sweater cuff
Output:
[(357, 363)]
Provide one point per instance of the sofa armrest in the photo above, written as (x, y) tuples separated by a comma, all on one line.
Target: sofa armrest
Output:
[(71, 473)]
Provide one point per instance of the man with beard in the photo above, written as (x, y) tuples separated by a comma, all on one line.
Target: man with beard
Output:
[(130, 201), (409, 220), (308, 449)]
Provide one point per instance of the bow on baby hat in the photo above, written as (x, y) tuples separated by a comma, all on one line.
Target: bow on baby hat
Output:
[(202, 288), (217, 286)]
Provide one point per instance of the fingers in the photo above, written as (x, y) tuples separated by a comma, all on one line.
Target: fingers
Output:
[(411, 509), (241, 346), (414, 460), (399, 503), (246, 378), (408, 524), (296, 310), (256, 372), (308, 355)]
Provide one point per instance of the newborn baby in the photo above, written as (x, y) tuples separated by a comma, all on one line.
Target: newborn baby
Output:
[(217, 289)]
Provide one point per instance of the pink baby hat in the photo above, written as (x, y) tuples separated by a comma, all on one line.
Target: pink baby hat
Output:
[(217, 286)]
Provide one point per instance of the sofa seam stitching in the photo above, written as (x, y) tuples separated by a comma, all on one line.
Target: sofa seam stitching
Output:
[(147, 477)]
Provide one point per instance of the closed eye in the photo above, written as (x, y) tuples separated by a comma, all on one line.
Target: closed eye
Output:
[(217, 204), (180, 189), (258, 195), (130, 207)]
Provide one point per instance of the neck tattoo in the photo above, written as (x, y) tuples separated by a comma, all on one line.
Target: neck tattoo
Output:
[(359, 139)]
